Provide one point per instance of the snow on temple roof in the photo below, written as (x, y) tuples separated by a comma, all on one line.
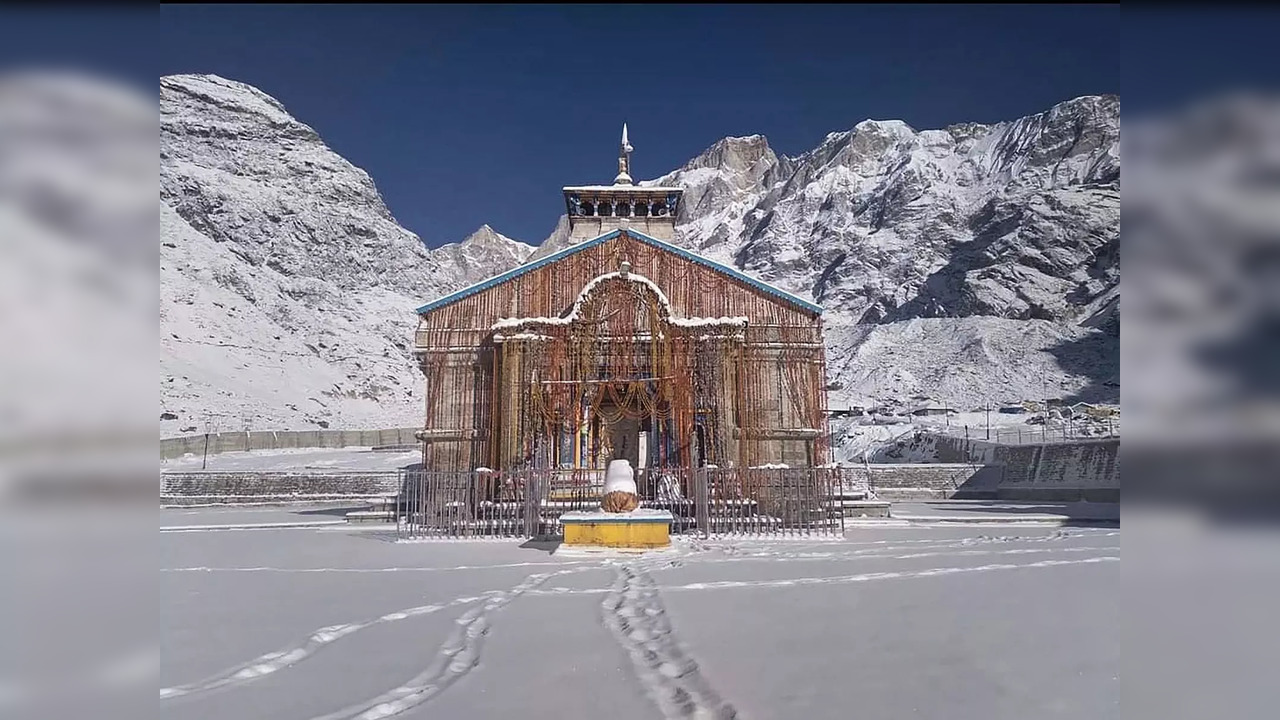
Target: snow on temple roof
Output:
[(620, 188), (583, 296), (688, 322), (601, 239)]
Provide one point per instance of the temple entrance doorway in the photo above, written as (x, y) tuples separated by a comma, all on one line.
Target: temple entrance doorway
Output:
[(629, 440)]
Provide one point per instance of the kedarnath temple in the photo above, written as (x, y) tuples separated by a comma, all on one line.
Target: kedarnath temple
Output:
[(622, 346)]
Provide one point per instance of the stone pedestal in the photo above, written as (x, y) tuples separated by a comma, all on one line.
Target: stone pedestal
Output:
[(639, 529)]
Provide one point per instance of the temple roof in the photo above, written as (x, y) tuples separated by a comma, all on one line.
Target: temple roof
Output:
[(622, 188), (600, 239)]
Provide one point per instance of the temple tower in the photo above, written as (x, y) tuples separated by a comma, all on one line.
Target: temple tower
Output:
[(597, 209)]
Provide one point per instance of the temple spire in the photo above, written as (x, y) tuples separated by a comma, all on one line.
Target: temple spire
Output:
[(624, 160)]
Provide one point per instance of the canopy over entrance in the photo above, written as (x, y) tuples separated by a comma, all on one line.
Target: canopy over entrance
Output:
[(617, 376)]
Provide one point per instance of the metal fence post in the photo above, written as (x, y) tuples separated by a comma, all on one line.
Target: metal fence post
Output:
[(702, 497), (405, 499), (523, 481), (535, 487), (400, 498)]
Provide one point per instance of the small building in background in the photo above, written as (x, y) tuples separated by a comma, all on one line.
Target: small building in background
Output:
[(843, 409), (928, 409)]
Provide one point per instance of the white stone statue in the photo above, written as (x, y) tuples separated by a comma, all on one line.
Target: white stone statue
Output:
[(620, 488)]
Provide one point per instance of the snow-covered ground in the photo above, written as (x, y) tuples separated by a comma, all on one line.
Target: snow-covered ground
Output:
[(919, 622), (301, 459)]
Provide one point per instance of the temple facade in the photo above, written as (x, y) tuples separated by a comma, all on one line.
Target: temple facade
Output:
[(622, 345)]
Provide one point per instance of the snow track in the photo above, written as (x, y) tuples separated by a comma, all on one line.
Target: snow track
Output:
[(273, 662), (456, 657), (880, 554), (867, 577), (634, 613)]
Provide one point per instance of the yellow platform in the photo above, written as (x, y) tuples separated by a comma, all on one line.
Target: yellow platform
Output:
[(641, 528)]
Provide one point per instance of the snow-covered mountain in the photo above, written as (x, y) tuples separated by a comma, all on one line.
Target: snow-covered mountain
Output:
[(972, 264), (1016, 220), (287, 288), (483, 253)]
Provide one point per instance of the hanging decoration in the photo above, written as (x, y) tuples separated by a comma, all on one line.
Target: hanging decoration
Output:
[(720, 371)]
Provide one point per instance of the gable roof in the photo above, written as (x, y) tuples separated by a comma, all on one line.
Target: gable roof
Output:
[(600, 239)]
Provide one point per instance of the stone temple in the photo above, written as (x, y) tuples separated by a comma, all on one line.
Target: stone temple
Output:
[(622, 346)]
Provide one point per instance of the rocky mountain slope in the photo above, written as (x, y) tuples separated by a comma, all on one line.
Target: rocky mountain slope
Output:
[(973, 264), (287, 288)]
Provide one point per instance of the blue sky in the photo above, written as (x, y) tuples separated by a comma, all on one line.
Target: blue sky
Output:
[(471, 114), (467, 115)]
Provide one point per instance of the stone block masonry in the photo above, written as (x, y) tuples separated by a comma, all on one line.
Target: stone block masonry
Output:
[(241, 488), (1066, 472), (931, 481), (1086, 470)]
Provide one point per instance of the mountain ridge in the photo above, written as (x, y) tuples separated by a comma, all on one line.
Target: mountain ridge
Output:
[(288, 287)]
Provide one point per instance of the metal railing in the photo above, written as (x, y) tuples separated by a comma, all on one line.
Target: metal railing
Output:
[(463, 504), (707, 501), (771, 501), (1041, 434), (1056, 431)]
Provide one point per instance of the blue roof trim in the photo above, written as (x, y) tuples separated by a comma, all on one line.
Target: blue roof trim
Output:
[(553, 257)]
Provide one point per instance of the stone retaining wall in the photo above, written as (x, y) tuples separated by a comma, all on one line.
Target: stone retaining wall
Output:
[(934, 480), (235, 488), (1064, 472)]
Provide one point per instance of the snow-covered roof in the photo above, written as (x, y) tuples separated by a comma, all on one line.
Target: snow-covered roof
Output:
[(622, 188), (601, 239), (694, 322)]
